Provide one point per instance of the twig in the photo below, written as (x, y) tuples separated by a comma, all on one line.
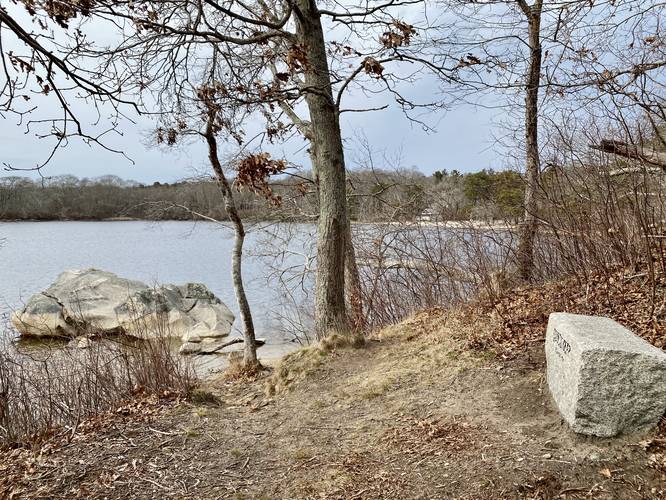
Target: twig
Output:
[(163, 432), (152, 482)]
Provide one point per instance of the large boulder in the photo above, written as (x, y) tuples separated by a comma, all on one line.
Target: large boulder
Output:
[(94, 301), (605, 380)]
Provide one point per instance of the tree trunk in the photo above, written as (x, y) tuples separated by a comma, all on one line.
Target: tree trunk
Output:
[(329, 168), (250, 360), (528, 227), (353, 285), (353, 294)]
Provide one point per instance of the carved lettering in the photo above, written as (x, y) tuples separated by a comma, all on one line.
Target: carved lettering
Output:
[(561, 342)]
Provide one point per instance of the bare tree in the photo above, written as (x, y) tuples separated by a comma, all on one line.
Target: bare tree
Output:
[(250, 361), (275, 64), (532, 163), (535, 57)]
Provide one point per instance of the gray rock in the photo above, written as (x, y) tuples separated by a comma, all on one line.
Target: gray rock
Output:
[(190, 348), (191, 336), (80, 302), (605, 380)]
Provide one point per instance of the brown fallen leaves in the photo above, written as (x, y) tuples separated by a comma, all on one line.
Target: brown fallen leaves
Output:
[(22, 464), (434, 436), (521, 315), (656, 447)]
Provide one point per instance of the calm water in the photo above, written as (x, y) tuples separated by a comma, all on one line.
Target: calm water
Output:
[(34, 253)]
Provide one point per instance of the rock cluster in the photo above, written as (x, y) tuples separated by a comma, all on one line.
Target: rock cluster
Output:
[(99, 302)]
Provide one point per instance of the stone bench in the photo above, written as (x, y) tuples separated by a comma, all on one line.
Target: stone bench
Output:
[(605, 380)]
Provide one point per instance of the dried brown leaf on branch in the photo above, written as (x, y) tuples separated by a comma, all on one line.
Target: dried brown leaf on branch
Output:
[(373, 67), (167, 135), (60, 12), (400, 35), (253, 173), (468, 60), (296, 59)]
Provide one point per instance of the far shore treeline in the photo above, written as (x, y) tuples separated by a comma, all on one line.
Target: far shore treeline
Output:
[(373, 196)]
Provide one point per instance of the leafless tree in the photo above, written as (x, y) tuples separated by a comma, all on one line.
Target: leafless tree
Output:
[(544, 53), (275, 63), (250, 361)]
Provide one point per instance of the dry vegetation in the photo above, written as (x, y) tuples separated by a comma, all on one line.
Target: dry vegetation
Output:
[(414, 413), (54, 388), (521, 316)]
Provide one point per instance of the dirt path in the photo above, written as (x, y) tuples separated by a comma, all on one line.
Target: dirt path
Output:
[(413, 414)]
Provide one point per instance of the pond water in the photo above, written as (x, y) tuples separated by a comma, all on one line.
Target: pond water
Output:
[(413, 271), (33, 254)]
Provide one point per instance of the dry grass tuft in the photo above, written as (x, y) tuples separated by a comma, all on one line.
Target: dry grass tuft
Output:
[(202, 396), (293, 367), (336, 341), (297, 365), (238, 372)]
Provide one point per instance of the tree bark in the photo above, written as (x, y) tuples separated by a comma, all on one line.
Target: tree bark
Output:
[(353, 286), (329, 169), (528, 227), (353, 294), (250, 360)]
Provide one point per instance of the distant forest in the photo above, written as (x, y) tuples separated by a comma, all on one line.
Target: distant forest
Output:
[(374, 195)]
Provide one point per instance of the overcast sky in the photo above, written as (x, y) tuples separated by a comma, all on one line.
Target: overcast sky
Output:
[(463, 140)]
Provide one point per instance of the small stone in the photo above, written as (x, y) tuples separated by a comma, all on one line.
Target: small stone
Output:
[(547, 456), (594, 457)]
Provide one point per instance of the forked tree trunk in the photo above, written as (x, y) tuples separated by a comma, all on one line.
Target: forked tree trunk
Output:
[(329, 168), (250, 348), (528, 228), (353, 294)]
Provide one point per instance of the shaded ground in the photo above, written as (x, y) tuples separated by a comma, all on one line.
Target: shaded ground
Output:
[(414, 414)]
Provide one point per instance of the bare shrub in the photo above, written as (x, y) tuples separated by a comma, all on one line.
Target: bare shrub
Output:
[(600, 213), (287, 251), (407, 267), (48, 386)]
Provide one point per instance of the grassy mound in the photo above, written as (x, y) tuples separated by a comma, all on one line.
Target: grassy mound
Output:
[(297, 365)]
